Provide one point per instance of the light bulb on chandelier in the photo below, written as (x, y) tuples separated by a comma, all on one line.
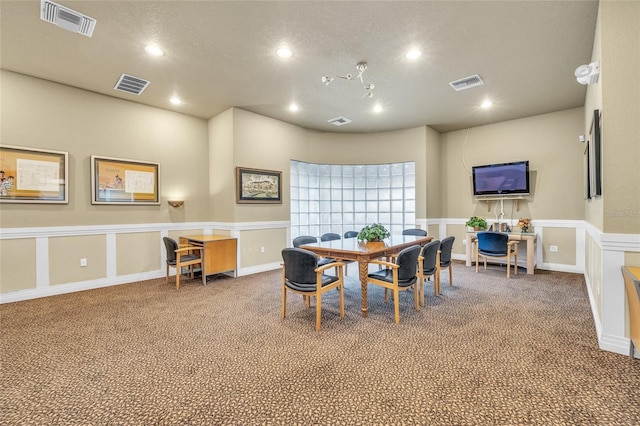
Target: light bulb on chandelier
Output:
[(361, 67)]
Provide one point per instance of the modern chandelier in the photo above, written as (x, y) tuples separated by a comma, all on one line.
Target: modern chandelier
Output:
[(361, 67)]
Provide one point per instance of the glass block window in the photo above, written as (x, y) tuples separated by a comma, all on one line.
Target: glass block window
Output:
[(339, 198)]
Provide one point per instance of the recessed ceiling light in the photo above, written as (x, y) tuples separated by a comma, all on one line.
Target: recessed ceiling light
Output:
[(486, 104), (413, 54), (284, 52), (377, 108), (293, 107), (153, 50), (175, 100)]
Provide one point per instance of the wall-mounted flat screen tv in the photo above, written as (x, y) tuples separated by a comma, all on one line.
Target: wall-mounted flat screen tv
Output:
[(501, 179)]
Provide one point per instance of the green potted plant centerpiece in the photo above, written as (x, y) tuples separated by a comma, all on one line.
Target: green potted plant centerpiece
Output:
[(375, 232), (477, 223)]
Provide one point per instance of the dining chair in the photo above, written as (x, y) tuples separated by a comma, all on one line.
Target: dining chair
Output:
[(446, 246), (415, 231), (428, 265), (351, 234), (301, 274), (398, 276), (183, 256), (330, 236), (497, 245)]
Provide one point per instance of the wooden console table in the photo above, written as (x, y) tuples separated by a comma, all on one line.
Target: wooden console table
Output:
[(219, 252), (530, 238)]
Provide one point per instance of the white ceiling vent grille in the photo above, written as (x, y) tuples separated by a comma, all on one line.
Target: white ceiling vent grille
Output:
[(339, 121), (131, 84), (66, 18), (467, 83)]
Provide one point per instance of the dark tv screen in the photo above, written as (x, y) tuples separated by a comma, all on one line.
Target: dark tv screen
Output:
[(501, 179)]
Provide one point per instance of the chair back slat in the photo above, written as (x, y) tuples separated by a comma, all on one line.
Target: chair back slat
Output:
[(408, 263), (171, 247), (330, 236), (415, 231), (493, 243), (304, 239), (300, 265), (430, 254), (445, 251)]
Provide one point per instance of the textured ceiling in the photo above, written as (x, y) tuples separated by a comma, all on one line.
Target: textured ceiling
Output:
[(222, 54)]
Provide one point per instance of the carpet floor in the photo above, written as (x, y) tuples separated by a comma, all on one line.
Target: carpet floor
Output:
[(488, 351)]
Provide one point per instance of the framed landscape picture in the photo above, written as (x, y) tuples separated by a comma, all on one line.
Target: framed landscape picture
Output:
[(258, 186), (29, 175), (122, 181)]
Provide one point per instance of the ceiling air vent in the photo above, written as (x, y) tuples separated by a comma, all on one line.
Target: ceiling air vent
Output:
[(131, 84), (339, 121), (66, 18), (467, 83)]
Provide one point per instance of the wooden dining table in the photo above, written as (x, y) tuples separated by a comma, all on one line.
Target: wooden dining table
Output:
[(351, 249)]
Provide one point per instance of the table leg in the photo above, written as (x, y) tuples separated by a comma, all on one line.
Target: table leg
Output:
[(531, 255), (364, 272)]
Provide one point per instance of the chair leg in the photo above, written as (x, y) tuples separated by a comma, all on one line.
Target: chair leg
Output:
[(284, 302), (422, 291), (416, 296), (178, 270), (396, 304), (167, 280), (508, 266), (450, 275), (318, 310), (342, 300), (385, 295)]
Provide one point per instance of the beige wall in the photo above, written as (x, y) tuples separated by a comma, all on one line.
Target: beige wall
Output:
[(272, 240), (620, 68), (65, 254), (41, 114), (548, 141), (138, 252), (565, 240), (17, 264)]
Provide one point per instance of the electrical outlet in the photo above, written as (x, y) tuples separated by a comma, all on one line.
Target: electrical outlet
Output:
[(83, 262), (261, 249), (553, 248), (464, 242)]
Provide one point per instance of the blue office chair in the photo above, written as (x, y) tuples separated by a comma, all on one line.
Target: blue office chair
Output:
[(497, 245), (350, 234)]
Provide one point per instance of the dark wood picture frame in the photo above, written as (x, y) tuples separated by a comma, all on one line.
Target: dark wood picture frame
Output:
[(595, 159), (124, 182), (257, 186), (33, 175)]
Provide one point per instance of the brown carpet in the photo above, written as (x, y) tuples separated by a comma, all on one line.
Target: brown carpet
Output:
[(489, 351)]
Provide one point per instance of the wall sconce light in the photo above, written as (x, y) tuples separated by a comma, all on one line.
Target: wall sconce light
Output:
[(176, 203), (587, 74)]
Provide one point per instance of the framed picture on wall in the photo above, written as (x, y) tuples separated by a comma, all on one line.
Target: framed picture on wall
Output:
[(595, 160), (258, 186), (124, 182), (585, 168), (30, 175)]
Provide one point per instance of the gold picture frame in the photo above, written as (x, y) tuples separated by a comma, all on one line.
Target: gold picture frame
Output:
[(258, 186), (124, 182), (33, 175)]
